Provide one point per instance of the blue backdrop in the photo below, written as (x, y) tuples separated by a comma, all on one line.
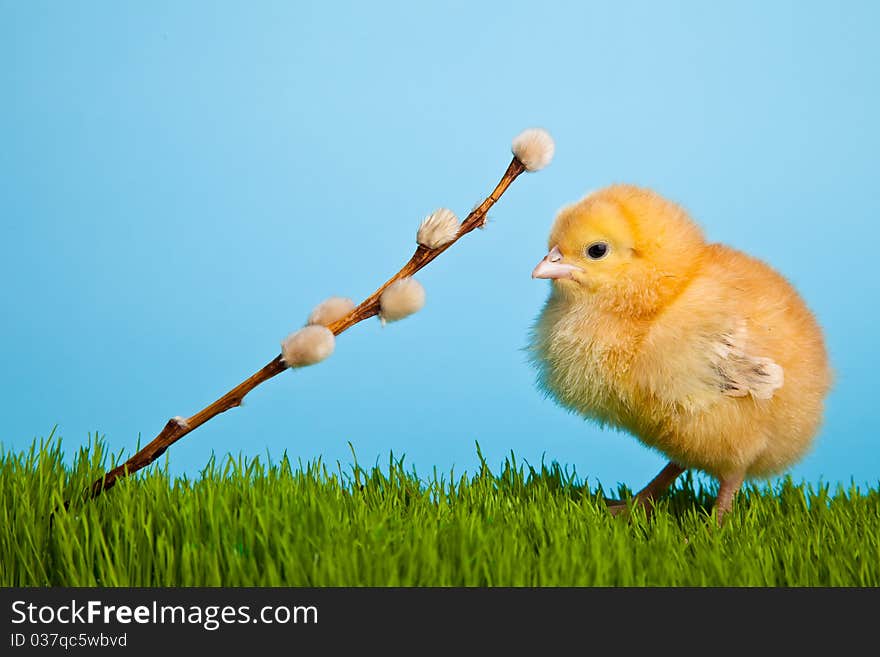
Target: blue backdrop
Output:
[(181, 182)]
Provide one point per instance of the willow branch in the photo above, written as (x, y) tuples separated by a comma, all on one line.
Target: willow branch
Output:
[(176, 428)]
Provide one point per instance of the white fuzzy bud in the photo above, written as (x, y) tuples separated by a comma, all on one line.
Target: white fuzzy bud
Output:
[(438, 229), (309, 345), (331, 310), (401, 299), (534, 148)]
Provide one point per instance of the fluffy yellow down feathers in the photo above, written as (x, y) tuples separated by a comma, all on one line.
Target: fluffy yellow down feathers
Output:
[(702, 352)]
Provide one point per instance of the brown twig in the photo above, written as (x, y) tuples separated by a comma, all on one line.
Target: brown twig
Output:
[(177, 428)]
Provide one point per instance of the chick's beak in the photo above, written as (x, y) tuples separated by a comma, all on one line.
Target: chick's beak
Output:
[(553, 267)]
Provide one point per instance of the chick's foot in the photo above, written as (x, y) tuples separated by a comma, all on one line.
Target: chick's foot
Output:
[(650, 493), (726, 492)]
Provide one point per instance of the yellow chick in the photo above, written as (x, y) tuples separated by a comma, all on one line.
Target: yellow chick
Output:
[(702, 352)]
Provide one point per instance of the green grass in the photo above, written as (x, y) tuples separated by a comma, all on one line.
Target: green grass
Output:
[(254, 523)]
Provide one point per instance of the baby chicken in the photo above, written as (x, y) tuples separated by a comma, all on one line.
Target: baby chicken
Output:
[(702, 352)]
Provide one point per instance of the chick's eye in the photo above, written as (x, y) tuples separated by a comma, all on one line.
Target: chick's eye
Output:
[(597, 250)]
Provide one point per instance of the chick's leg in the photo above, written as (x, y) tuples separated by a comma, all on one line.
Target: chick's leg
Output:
[(730, 486), (649, 494)]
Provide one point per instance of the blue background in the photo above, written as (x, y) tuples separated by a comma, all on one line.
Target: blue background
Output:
[(180, 182)]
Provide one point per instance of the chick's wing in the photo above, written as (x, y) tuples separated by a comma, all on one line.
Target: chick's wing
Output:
[(741, 373), (700, 353)]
